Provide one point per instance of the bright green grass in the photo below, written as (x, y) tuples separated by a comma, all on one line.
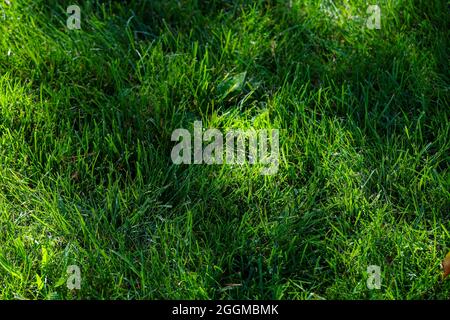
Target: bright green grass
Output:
[(86, 176)]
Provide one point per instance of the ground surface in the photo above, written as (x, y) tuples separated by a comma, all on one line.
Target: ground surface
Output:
[(86, 177)]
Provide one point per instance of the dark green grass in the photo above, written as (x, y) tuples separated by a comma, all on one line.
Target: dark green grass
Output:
[(85, 171)]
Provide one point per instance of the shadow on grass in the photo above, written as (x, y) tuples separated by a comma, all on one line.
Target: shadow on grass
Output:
[(144, 68)]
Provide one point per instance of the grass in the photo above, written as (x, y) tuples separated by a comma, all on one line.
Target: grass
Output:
[(85, 171)]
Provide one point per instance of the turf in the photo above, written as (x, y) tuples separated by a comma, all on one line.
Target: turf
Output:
[(86, 177)]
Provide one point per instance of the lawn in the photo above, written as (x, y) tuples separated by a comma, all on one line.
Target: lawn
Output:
[(87, 179)]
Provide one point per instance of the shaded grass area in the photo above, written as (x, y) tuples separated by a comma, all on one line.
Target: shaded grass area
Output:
[(86, 177)]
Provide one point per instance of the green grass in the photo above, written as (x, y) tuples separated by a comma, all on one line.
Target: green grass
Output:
[(85, 171)]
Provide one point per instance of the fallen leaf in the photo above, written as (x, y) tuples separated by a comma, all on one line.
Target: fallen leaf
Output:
[(446, 265)]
